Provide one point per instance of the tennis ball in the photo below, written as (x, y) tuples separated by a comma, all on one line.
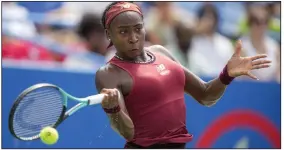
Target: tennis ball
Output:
[(48, 135)]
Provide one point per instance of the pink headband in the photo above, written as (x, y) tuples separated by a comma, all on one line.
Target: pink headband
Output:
[(119, 8)]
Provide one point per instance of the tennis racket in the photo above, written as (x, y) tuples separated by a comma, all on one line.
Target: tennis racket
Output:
[(43, 105)]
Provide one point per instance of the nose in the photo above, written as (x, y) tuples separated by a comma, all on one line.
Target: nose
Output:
[(133, 38)]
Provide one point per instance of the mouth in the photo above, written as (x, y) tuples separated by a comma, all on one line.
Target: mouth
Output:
[(135, 49), (134, 52)]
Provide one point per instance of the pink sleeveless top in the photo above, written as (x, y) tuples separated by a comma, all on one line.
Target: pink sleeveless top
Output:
[(156, 102)]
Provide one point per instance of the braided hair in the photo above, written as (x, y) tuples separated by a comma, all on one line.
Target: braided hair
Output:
[(103, 20)]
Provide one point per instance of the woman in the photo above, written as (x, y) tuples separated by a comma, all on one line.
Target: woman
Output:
[(144, 86), (257, 41), (208, 42)]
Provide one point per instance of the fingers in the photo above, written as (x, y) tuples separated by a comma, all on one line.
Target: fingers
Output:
[(252, 76), (104, 91), (260, 66), (258, 56), (111, 98), (105, 101), (260, 62), (238, 48)]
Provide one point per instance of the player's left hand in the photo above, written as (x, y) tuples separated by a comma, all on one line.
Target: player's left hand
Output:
[(238, 65)]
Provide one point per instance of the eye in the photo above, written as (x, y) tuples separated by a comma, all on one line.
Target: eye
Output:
[(138, 29), (122, 31)]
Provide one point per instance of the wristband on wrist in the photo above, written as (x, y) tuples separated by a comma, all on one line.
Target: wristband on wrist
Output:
[(224, 77), (113, 110)]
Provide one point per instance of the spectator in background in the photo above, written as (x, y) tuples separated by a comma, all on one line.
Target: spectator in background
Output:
[(13, 48), (161, 20), (182, 44), (209, 48), (257, 41), (93, 35), (82, 7), (273, 26), (17, 29), (15, 21)]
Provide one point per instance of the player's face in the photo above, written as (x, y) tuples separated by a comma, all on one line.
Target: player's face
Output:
[(127, 33)]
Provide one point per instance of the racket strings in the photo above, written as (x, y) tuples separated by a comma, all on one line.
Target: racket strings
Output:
[(38, 109)]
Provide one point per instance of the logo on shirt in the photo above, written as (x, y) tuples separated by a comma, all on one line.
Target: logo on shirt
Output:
[(162, 69)]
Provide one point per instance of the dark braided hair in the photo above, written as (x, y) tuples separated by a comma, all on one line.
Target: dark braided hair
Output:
[(105, 11)]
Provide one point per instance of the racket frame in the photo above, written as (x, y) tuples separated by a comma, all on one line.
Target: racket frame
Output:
[(17, 102), (82, 102)]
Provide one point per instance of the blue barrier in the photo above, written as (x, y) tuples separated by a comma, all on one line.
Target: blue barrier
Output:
[(255, 123)]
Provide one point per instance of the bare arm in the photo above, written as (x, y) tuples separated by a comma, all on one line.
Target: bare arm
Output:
[(108, 84), (206, 93)]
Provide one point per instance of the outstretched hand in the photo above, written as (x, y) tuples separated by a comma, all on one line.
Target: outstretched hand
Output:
[(238, 66)]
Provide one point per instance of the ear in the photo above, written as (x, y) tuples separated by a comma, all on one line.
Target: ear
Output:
[(107, 34)]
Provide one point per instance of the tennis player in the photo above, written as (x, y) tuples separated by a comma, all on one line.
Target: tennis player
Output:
[(145, 86)]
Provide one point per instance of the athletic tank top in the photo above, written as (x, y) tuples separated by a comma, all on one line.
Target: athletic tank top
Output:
[(156, 102)]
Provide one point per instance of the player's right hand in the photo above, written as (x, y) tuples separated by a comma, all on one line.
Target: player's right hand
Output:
[(111, 98)]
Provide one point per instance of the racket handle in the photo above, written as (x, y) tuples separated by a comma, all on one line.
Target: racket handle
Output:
[(95, 99)]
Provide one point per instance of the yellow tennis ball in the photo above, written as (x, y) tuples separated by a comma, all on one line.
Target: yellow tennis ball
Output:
[(49, 135)]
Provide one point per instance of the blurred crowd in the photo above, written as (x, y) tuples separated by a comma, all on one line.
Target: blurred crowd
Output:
[(201, 35)]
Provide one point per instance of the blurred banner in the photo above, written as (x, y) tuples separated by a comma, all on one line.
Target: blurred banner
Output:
[(248, 115)]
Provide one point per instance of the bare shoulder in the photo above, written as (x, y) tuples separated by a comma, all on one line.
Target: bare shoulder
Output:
[(106, 77), (107, 70), (161, 50), (156, 48)]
